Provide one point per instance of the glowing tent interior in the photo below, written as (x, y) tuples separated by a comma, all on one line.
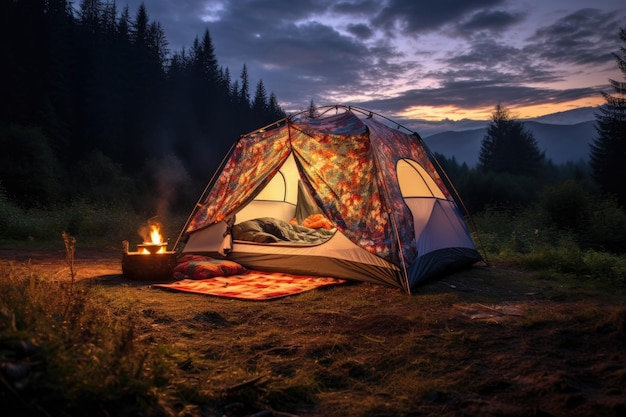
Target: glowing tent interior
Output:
[(342, 195)]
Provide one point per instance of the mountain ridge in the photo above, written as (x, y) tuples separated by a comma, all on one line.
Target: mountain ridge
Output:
[(564, 136)]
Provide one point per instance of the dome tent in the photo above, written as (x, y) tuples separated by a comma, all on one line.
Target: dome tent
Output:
[(392, 219)]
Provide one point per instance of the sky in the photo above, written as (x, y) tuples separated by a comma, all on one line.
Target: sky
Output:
[(410, 59)]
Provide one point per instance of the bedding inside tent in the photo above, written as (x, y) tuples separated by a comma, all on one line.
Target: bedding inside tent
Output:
[(283, 206)]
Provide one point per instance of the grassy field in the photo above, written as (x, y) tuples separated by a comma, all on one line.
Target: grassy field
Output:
[(488, 341), (539, 330)]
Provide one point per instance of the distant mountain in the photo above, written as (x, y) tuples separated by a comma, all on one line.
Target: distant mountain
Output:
[(564, 136), (429, 127), (561, 142), (569, 117)]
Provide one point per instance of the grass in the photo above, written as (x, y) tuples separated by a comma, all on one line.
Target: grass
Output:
[(70, 352), (73, 347), (350, 351), (94, 225)]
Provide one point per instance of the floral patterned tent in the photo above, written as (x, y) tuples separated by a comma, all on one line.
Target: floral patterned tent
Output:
[(349, 165)]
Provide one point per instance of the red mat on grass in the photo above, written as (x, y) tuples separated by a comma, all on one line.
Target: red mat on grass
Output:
[(253, 285)]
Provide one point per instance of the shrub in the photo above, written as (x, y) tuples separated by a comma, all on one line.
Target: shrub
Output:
[(99, 180), (508, 233), (565, 256), (605, 267), (12, 220), (567, 206), (619, 271), (597, 222), (483, 189), (607, 226), (30, 172), (92, 224)]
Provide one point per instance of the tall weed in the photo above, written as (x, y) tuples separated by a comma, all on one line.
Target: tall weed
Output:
[(68, 351)]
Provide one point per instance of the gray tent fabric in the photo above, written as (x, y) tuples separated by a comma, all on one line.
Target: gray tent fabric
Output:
[(306, 205)]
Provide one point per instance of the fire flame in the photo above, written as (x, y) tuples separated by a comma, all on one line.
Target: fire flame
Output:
[(155, 235), (154, 238)]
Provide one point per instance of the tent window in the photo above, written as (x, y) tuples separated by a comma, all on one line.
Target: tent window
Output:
[(275, 190), (414, 181), (284, 186)]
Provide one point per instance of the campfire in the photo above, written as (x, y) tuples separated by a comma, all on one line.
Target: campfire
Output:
[(155, 242), (152, 261)]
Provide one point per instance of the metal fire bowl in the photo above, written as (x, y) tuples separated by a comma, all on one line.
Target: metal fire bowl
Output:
[(151, 247)]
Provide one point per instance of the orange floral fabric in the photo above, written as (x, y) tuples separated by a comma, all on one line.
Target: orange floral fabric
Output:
[(349, 167)]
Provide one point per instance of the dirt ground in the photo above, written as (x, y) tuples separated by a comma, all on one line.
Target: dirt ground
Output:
[(521, 346)]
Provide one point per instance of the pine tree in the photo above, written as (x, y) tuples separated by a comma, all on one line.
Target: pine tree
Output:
[(94, 78), (275, 108), (259, 104), (234, 92), (140, 27), (312, 111), (608, 151), (508, 147), (157, 44), (205, 60), (244, 89)]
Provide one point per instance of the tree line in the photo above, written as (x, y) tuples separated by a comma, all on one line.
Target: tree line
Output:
[(95, 106), (92, 94), (513, 172)]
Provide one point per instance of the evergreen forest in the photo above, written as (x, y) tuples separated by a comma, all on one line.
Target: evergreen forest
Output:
[(96, 107), (103, 126)]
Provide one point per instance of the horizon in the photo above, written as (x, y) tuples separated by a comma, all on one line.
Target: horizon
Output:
[(427, 128)]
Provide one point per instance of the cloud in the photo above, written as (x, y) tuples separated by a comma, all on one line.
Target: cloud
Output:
[(491, 20), (417, 17), (484, 70), (474, 95), (577, 38), (398, 53), (360, 30)]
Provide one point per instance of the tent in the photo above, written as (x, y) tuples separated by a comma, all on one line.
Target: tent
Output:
[(377, 209)]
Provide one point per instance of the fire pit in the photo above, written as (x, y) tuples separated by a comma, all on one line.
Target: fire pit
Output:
[(151, 262), (152, 248)]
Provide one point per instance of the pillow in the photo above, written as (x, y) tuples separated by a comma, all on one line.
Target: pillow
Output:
[(317, 221), (203, 267), (191, 257)]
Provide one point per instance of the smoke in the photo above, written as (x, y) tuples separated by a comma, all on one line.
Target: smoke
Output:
[(145, 229), (168, 176)]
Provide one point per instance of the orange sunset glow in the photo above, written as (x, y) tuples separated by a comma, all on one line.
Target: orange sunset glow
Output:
[(432, 113)]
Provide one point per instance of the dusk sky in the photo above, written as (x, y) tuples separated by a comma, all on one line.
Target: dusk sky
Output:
[(428, 59)]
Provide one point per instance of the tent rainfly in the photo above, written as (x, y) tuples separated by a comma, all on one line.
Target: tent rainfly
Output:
[(386, 216)]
